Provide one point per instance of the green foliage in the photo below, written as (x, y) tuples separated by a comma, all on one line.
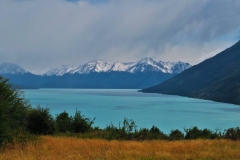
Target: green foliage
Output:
[(40, 121), (81, 124), (233, 133), (195, 133), (129, 126), (13, 111), (111, 132), (64, 122), (125, 132), (155, 133), (176, 135)]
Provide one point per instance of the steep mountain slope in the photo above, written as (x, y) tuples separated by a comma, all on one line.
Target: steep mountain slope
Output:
[(217, 78)]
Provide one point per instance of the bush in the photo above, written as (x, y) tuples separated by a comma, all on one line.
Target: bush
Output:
[(155, 133), (193, 133), (40, 121), (176, 135), (81, 124), (13, 111), (233, 133), (64, 122), (125, 132)]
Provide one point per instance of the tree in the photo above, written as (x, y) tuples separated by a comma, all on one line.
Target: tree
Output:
[(233, 133), (64, 122), (176, 135), (81, 123), (40, 121), (13, 111), (155, 133), (129, 125)]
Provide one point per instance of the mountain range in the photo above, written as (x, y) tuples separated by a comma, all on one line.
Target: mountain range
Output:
[(143, 65), (217, 79), (96, 74)]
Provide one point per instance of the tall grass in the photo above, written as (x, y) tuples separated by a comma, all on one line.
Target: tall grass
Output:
[(53, 148)]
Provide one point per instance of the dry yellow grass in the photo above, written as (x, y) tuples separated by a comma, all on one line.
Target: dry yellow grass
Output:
[(54, 148)]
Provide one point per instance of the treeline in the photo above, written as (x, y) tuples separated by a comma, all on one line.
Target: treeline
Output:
[(20, 122)]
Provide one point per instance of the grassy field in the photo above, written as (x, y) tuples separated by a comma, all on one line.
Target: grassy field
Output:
[(54, 148)]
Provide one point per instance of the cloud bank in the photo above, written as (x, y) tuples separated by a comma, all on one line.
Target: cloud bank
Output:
[(41, 34)]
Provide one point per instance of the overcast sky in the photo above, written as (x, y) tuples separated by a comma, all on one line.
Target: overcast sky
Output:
[(43, 34)]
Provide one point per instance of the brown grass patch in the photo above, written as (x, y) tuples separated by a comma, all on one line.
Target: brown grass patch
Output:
[(54, 148)]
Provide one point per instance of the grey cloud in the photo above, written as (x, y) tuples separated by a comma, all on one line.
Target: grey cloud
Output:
[(41, 34)]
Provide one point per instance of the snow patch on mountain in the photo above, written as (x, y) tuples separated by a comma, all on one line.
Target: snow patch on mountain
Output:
[(143, 65), (61, 70), (10, 68), (94, 66)]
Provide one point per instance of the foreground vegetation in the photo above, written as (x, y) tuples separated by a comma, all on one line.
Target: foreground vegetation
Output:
[(50, 148)]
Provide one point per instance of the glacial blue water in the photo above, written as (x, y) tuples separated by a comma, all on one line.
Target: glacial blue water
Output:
[(111, 105)]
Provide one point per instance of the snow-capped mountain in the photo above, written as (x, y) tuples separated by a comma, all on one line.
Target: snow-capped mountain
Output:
[(140, 74), (9, 68), (93, 66), (61, 70), (143, 65)]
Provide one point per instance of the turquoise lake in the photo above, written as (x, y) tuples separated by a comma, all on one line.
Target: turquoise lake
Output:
[(167, 112)]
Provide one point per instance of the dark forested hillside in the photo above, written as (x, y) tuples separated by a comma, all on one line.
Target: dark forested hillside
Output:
[(217, 78)]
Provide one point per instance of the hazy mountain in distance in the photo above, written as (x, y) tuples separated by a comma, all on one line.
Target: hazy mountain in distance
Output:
[(143, 65), (98, 74)]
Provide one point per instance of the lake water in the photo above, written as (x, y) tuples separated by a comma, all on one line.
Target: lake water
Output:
[(112, 105)]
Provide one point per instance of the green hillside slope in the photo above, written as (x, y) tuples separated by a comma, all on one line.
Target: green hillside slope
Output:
[(217, 79)]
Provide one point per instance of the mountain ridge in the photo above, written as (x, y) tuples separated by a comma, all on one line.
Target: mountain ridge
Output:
[(217, 79), (143, 65), (10, 68), (99, 74)]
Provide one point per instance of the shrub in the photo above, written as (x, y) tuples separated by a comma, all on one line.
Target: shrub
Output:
[(64, 122), (233, 133), (40, 121), (155, 133), (13, 111), (176, 135), (125, 132), (129, 126), (155, 129), (193, 133), (111, 132), (143, 134), (81, 124)]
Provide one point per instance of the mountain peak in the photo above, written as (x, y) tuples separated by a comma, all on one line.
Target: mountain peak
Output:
[(10, 68), (143, 65), (60, 71), (146, 60)]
